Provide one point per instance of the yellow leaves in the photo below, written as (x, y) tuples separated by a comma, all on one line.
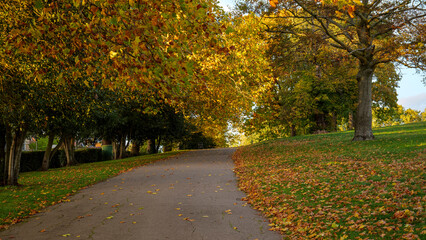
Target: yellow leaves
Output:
[(335, 225), (112, 54)]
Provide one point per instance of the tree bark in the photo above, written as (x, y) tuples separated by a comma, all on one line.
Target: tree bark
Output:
[(136, 147), (122, 147), (14, 142), (363, 117), (69, 150), (293, 131), (2, 154), (157, 147), (115, 149), (151, 146), (49, 153), (351, 121)]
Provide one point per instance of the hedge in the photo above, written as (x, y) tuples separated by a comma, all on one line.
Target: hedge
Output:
[(32, 161)]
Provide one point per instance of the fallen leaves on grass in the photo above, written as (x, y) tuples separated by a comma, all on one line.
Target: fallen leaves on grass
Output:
[(325, 189)]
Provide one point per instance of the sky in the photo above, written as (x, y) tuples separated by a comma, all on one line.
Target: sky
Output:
[(411, 91)]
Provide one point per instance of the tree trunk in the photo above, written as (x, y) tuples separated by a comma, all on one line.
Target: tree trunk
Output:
[(69, 150), (2, 155), (157, 147), (363, 116), (46, 157), (14, 143), (151, 146), (122, 147), (333, 124), (115, 149), (49, 153), (351, 121), (293, 131), (136, 147)]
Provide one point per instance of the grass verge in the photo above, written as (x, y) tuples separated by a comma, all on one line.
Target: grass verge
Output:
[(38, 190), (328, 187)]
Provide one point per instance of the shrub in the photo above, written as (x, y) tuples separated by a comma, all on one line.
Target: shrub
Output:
[(32, 161)]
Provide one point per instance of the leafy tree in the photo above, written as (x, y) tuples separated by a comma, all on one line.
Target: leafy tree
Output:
[(116, 44), (410, 116), (367, 30), (423, 115)]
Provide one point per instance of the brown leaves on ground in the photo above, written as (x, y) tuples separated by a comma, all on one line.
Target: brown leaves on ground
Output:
[(324, 189)]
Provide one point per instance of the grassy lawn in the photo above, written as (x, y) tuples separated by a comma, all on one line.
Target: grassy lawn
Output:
[(327, 187), (41, 189)]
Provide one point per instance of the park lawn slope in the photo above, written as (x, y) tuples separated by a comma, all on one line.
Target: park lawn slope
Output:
[(328, 187), (38, 190)]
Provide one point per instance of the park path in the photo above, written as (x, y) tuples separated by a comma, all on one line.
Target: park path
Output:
[(191, 196)]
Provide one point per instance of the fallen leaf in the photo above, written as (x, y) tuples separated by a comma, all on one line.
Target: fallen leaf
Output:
[(43, 230)]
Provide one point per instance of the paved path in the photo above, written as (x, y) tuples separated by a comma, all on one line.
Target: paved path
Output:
[(192, 196)]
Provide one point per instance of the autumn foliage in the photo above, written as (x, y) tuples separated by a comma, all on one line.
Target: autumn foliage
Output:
[(325, 187)]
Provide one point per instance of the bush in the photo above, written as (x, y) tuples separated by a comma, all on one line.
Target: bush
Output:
[(197, 141), (32, 161)]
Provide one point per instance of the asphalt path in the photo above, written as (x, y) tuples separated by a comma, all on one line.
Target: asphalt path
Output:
[(191, 196)]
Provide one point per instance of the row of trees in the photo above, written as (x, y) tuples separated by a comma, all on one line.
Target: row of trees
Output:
[(134, 70), (120, 70), (396, 116)]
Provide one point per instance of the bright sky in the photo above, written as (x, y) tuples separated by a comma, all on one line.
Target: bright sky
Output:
[(411, 91)]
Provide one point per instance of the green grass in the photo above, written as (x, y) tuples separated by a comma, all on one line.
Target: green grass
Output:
[(38, 190), (328, 187)]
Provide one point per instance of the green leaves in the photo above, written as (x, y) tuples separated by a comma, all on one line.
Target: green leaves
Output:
[(38, 4)]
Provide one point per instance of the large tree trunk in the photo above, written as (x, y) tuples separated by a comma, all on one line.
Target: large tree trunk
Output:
[(49, 153), (2, 154), (151, 146), (363, 116), (14, 142), (68, 142)]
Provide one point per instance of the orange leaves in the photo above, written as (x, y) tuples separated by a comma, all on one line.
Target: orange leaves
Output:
[(350, 9), (309, 189), (273, 3)]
